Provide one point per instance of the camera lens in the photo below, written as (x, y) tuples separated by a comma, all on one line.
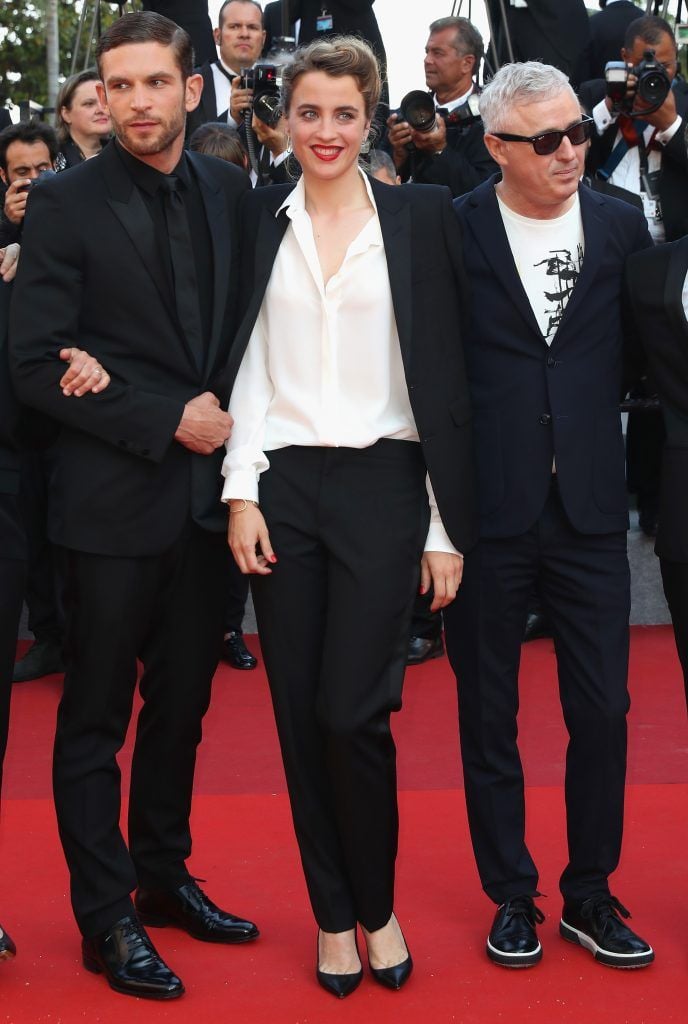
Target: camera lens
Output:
[(418, 109), (653, 87)]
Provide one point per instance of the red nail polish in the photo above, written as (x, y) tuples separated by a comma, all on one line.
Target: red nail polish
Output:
[(273, 558)]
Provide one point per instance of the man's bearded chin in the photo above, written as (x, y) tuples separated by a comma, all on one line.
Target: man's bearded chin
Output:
[(160, 138)]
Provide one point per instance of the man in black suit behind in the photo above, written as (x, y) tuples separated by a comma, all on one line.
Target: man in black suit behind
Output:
[(136, 252), (659, 298), (607, 31), (544, 258)]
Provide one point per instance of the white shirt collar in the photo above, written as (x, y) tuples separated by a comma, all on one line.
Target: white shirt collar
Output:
[(452, 104), (296, 200)]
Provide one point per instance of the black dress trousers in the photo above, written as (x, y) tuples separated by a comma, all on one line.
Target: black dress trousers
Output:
[(167, 611), (12, 580), (347, 527), (584, 583)]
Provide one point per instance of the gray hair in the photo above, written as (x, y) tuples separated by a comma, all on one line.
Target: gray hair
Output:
[(517, 85), (381, 161)]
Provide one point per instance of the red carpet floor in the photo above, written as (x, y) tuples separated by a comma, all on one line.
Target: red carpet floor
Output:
[(244, 848)]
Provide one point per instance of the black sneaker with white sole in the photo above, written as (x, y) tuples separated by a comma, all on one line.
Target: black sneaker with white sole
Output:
[(596, 925), (513, 941)]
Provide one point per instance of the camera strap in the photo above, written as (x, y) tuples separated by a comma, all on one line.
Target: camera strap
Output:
[(626, 142)]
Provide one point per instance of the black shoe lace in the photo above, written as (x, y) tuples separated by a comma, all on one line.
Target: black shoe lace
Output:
[(524, 906), (135, 935), (604, 909)]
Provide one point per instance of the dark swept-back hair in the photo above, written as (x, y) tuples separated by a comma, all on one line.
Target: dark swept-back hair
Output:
[(337, 56), (148, 27), (650, 29), (29, 132)]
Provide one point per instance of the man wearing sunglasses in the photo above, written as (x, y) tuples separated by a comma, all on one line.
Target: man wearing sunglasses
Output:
[(545, 258)]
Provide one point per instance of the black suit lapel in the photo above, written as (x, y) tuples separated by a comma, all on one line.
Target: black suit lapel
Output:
[(131, 211), (485, 222), (269, 234), (218, 223), (395, 224), (597, 224)]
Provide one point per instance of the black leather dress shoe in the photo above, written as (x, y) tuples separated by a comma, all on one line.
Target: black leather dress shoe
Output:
[(236, 653), (189, 908), (130, 962), (422, 649), (43, 658), (7, 947), (537, 627), (596, 925), (513, 941), (339, 985)]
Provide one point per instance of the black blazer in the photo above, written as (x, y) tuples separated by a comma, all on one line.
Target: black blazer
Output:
[(552, 31), (91, 274), (12, 540), (673, 179), (533, 403), (350, 17), (655, 283), (607, 33), (423, 250)]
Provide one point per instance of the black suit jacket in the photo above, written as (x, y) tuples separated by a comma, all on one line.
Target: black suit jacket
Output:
[(673, 179), (5, 119), (607, 32), (350, 17), (91, 274), (423, 251), (12, 540), (533, 403), (655, 282), (552, 31)]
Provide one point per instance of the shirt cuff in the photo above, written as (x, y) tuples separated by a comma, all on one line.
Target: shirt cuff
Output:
[(667, 135), (241, 484), (602, 117), (438, 540)]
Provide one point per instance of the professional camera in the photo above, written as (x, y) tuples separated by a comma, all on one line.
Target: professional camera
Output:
[(265, 82), (653, 84), (418, 110)]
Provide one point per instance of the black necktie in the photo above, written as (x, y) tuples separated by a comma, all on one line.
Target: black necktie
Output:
[(185, 284)]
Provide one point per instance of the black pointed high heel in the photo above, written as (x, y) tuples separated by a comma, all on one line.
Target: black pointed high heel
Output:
[(339, 985), (397, 975)]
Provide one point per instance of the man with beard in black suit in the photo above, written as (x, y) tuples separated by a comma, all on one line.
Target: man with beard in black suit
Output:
[(135, 252)]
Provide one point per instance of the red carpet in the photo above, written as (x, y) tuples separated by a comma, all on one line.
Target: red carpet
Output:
[(244, 848)]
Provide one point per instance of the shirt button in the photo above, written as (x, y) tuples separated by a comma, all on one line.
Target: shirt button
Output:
[(545, 419), (551, 361)]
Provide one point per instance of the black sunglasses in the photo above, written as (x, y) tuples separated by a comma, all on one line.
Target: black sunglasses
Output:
[(549, 142)]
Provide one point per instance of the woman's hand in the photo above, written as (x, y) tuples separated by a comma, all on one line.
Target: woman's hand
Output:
[(247, 532), (84, 373), (9, 261), (444, 571)]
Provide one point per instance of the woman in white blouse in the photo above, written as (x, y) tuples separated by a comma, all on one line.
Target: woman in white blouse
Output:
[(329, 495)]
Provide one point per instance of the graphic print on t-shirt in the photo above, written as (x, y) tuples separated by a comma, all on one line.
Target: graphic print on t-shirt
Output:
[(564, 271)]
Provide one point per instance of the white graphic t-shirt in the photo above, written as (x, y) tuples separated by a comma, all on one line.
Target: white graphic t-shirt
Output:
[(548, 255)]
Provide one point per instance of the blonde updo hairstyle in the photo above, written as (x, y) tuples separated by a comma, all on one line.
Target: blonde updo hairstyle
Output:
[(337, 56)]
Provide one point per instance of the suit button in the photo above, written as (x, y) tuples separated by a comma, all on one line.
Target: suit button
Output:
[(551, 361), (545, 419)]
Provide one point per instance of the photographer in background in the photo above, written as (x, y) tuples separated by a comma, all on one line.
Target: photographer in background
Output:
[(27, 150), (642, 147), (240, 36), (638, 146), (449, 150)]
